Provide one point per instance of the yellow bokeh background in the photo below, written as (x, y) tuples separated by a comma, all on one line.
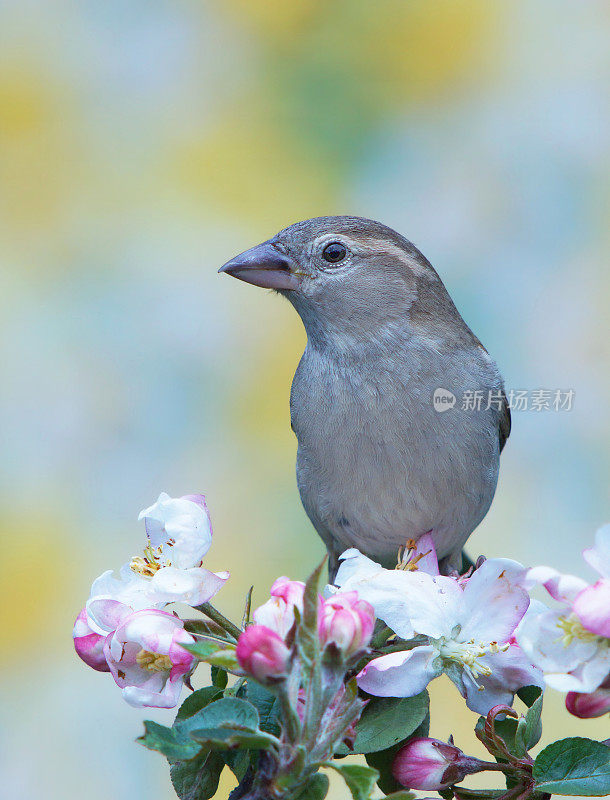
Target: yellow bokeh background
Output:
[(144, 144)]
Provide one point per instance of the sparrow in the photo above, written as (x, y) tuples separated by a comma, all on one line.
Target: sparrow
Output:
[(399, 411)]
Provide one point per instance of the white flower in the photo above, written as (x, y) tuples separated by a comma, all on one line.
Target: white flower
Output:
[(179, 532), (462, 628), (571, 643)]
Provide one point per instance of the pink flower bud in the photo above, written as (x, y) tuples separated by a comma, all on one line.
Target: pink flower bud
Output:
[(88, 644), (592, 704), (262, 653), (347, 622), (290, 591), (430, 764)]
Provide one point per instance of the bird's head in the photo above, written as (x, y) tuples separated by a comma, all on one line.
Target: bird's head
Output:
[(344, 275)]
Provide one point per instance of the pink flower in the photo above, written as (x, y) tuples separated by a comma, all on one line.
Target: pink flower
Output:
[(262, 653), (591, 704), (146, 659), (278, 612), (571, 642), (346, 622), (88, 644), (432, 764)]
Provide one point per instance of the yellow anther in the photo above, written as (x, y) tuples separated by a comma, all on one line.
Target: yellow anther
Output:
[(149, 563), (407, 561), (153, 662), (573, 628)]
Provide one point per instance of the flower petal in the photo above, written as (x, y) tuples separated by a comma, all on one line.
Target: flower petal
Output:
[(598, 557), (592, 607), (402, 674), (192, 586), (542, 640), (561, 587), (493, 602), (510, 671), (591, 704)]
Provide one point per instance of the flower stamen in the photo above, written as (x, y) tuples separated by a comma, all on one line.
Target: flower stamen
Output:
[(153, 662), (406, 559), (148, 564), (573, 628)]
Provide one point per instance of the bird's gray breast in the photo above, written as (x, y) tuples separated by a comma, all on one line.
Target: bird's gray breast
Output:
[(377, 464)]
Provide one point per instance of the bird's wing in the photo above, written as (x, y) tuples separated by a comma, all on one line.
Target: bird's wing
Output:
[(505, 423)]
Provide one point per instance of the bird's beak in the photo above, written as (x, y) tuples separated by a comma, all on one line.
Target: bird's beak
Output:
[(264, 265)]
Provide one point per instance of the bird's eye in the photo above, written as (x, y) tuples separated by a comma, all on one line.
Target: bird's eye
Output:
[(334, 252)]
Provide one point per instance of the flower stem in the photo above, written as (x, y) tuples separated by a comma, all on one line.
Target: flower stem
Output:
[(215, 615)]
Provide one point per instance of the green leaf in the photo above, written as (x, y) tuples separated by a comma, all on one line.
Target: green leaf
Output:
[(529, 694), (307, 629), (529, 728), (384, 759), (268, 706), (360, 780), (203, 648), (225, 659), (176, 745), (315, 789), (227, 736), (403, 794), (574, 766), (198, 778), (226, 711), (196, 701), (219, 677), (386, 721), (238, 762), (214, 653)]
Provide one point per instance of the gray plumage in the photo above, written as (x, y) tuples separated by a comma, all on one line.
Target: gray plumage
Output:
[(376, 463)]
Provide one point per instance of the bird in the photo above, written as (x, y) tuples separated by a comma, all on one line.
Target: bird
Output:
[(399, 411)]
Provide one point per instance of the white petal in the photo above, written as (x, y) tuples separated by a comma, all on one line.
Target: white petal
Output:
[(598, 557), (191, 586), (181, 527), (355, 566), (493, 602), (402, 674), (586, 677)]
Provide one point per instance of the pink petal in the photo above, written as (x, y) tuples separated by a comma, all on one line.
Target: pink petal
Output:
[(561, 587), (585, 706), (592, 607)]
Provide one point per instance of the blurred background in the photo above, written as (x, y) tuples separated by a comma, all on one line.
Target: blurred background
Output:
[(142, 144)]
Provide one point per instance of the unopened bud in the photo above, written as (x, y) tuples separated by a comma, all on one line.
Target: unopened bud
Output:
[(592, 704), (346, 622), (262, 653), (430, 764)]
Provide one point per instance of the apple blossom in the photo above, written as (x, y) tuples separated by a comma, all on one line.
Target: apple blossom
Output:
[(262, 653), (592, 704), (179, 533), (278, 612), (146, 659), (571, 642), (88, 644), (347, 622), (432, 764), (463, 628)]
